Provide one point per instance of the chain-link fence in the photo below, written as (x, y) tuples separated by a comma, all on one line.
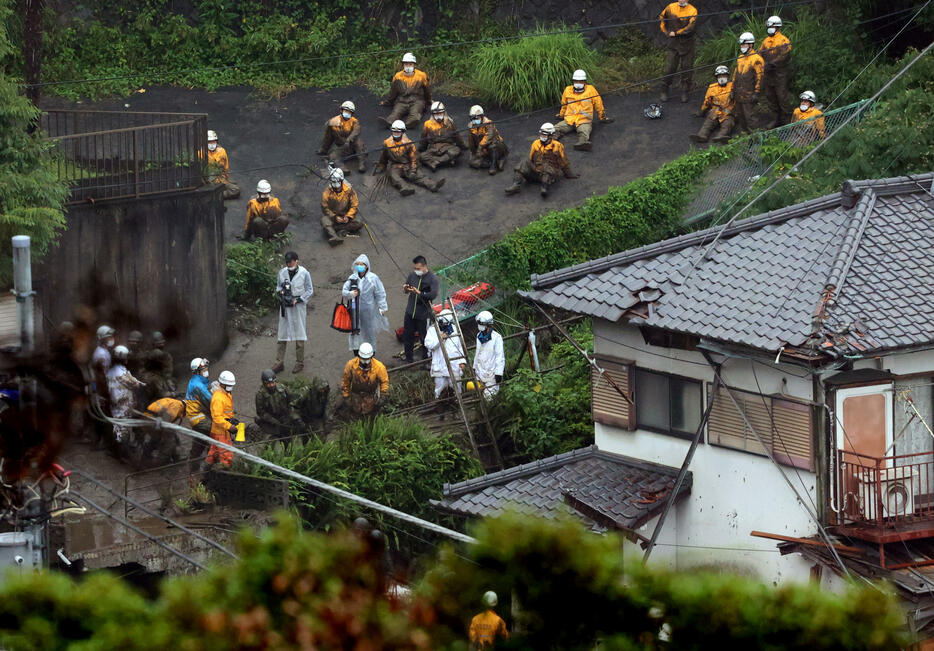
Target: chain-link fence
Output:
[(725, 183), (467, 288)]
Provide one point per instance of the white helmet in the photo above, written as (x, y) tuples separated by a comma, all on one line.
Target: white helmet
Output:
[(548, 128), (398, 125), (579, 75), (773, 21), (721, 70), (212, 135), (445, 316), (490, 599), (105, 331), (263, 187), (747, 37), (348, 106), (476, 111), (809, 96), (121, 352), (227, 379), (408, 57), (337, 174), (365, 351), (197, 363), (437, 107), (485, 318)]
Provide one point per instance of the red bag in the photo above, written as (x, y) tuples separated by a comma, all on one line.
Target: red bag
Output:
[(340, 320)]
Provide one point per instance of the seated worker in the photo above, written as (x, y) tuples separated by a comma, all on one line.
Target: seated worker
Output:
[(264, 218), (365, 383), (813, 130), (400, 157), (275, 417), (339, 209), (546, 158), (441, 143), (163, 446), (409, 94), (487, 147), (342, 138), (717, 109), (219, 167), (580, 103)]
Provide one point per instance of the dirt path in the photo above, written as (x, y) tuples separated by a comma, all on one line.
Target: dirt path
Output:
[(267, 138)]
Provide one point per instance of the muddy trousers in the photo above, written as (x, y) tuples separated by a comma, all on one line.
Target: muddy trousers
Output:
[(409, 111), (775, 89), (746, 113), (679, 56), (231, 190), (438, 154), (489, 157), (299, 351), (344, 150), (584, 129), (525, 172), (334, 229), (723, 129), (398, 174), (199, 448), (266, 230)]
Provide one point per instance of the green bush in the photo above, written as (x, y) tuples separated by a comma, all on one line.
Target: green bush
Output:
[(252, 269), (530, 73)]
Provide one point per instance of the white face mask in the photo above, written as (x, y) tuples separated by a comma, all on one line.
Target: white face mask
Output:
[(543, 138), (722, 80), (771, 31), (744, 49), (408, 69), (682, 3), (804, 106), (419, 272), (578, 86), (205, 373), (337, 184), (439, 117), (212, 146), (397, 135), (346, 115)]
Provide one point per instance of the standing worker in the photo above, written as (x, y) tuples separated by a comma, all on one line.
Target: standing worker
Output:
[(489, 360), (717, 109), (441, 143), (264, 218), (409, 94), (747, 83), (223, 422), (122, 387), (580, 104), (275, 417), (198, 408), (366, 290), (294, 288), (339, 203), (678, 22), (814, 129), (135, 362), (159, 369), (487, 147), (487, 627), (101, 359), (365, 382), (422, 287), (401, 157), (219, 167), (440, 340), (342, 139), (546, 158), (776, 52)]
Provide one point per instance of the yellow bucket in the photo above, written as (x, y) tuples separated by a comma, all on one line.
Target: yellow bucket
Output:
[(241, 433)]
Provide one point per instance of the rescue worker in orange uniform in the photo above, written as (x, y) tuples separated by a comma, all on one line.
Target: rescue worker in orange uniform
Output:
[(717, 109), (342, 138), (747, 83), (400, 156), (580, 104), (441, 143), (339, 204), (264, 216), (546, 158), (219, 167), (409, 94), (776, 52), (678, 22), (487, 147), (365, 382), (223, 422), (487, 627), (812, 130)]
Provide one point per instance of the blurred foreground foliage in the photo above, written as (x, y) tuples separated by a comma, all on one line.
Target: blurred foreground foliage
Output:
[(292, 589)]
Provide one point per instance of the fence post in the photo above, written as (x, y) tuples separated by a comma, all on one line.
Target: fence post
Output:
[(135, 167)]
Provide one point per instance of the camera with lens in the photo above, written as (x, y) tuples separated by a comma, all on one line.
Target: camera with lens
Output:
[(285, 296)]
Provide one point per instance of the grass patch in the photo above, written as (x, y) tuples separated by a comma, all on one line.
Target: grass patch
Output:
[(252, 268)]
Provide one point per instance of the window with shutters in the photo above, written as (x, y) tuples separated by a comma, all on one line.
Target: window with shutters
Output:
[(784, 426), (666, 403), (607, 405)]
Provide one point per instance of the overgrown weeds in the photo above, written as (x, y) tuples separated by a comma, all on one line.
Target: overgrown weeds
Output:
[(251, 272)]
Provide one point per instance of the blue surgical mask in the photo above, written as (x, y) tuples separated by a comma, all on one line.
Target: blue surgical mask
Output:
[(361, 269), (447, 328), (477, 121), (345, 115), (484, 336)]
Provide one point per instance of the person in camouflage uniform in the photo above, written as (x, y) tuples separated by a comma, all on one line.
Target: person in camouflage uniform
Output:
[(275, 417)]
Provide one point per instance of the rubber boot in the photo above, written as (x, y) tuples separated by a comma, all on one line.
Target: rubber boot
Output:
[(583, 144), (685, 95), (406, 191), (494, 163), (333, 238), (663, 97), (437, 186), (704, 132), (432, 164), (543, 190), (516, 186)]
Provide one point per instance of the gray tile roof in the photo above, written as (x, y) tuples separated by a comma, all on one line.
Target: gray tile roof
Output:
[(767, 281), (603, 489)]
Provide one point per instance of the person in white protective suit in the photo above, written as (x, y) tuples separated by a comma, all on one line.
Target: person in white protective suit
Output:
[(445, 333), (488, 359), (294, 289), (367, 290)]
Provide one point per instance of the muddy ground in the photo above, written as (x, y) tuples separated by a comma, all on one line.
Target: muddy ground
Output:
[(274, 138)]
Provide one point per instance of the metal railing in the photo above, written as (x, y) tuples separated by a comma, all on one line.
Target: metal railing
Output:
[(883, 492), (117, 154)]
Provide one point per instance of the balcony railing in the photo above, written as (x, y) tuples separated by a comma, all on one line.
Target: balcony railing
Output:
[(886, 497)]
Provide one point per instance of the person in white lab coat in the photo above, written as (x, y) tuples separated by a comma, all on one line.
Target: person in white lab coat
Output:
[(488, 359), (294, 288), (370, 296), (454, 347)]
